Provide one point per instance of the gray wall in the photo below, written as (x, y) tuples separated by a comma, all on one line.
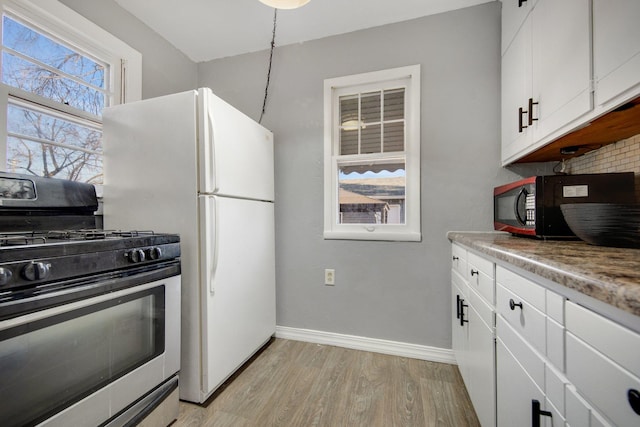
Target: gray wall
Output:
[(387, 290), (165, 69)]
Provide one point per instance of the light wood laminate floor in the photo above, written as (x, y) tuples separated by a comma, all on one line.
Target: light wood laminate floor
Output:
[(293, 383)]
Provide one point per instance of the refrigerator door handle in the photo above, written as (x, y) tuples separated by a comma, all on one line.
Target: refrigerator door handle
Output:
[(209, 242), (208, 175)]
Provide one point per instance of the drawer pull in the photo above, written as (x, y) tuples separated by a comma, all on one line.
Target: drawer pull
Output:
[(455, 258), (633, 396), (474, 272), (513, 304), (536, 412)]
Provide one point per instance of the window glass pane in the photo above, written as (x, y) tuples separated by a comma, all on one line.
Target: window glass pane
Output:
[(393, 137), (79, 158), (68, 86), (349, 111), (370, 139), (370, 107), (394, 104), (348, 141), (372, 194)]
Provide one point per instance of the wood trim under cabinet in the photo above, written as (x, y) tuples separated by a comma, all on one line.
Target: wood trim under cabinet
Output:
[(621, 123)]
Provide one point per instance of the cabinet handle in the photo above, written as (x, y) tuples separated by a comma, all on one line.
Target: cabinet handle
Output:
[(462, 306), (513, 304), (536, 412), (474, 272), (521, 126), (520, 2), (633, 396), (531, 104), (458, 306), (455, 258)]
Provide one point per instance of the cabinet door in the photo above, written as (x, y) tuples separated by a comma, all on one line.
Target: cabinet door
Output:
[(514, 13), (616, 47), (459, 329), (561, 74), (515, 390), (481, 363), (516, 89)]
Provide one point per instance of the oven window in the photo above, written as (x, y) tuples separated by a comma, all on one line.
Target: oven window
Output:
[(50, 364)]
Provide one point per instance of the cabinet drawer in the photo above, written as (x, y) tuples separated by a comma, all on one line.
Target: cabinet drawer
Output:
[(554, 387), (458, 281), (616, 342), (555, 343), (601, 381), (480, 276), (485, 312), (523, 352), (459, 259), (579, 413), (555, 306), (531, 292), (526, 320)]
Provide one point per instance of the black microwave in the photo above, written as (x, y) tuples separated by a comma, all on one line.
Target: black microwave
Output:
[(531, 206)]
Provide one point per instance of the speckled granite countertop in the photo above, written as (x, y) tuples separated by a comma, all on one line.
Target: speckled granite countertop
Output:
[(611, 275)]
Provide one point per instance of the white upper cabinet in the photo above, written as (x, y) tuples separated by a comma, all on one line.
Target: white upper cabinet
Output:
[(514, 12), (546, 72), (616, 48), (516, 89), (561, 64)]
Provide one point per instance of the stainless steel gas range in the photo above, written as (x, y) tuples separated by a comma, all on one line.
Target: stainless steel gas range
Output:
[(89, 318)]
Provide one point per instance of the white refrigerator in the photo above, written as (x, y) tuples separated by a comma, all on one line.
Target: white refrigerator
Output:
[(191, 164)]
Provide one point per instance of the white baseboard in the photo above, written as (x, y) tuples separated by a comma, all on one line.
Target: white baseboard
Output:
[(394, 348)]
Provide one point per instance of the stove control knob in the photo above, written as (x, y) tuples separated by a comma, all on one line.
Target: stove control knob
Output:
[(36, 271), (136, 255), (154, 253), (5, 276)]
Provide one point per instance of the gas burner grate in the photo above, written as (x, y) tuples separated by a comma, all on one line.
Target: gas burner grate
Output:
[(21, 238), (132, 233)]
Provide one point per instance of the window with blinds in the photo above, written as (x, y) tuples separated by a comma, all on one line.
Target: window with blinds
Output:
[(372, 161)]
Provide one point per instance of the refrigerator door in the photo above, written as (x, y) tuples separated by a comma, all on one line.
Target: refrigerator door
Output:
[(235, 152), (237, 284)]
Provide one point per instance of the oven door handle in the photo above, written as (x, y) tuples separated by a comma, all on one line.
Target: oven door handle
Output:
[(34, 316)]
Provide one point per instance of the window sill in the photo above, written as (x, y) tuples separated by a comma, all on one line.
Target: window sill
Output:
[(376, 234)]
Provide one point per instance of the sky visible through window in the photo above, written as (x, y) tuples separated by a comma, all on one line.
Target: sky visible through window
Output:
[(42, 140)]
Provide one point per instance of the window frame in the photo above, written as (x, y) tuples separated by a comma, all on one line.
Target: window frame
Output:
[(409, 76), (65, 25)]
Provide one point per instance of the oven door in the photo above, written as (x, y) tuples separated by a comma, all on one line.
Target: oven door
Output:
[(83, 362)]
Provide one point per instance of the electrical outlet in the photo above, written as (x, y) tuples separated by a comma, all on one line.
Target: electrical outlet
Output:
[(329, 276)]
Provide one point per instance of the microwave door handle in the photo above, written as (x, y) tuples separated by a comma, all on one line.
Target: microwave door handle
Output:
[(523, 192)]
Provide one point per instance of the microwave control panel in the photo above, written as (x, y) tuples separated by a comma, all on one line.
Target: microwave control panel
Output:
[(530, 209)]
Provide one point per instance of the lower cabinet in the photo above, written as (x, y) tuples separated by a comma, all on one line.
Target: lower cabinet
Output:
[(472, 332), (535, 358), (517, 392), (481, 368)]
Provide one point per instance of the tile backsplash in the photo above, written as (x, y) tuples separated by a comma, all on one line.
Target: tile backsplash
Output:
[(622, 156)]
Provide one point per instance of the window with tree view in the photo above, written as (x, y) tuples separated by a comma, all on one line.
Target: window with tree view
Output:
[(56, 95)]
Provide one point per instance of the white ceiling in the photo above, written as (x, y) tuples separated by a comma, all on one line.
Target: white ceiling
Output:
[(209, 29)]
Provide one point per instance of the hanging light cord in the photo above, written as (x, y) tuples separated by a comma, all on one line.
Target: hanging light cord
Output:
[(273, 44)]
